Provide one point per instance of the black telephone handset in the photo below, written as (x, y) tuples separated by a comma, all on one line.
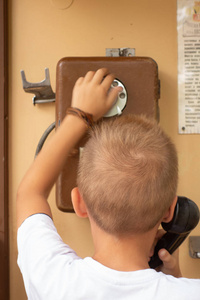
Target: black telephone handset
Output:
[(185, 219)]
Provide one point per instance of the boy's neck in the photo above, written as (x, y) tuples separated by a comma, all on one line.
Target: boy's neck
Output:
[(130, 253)]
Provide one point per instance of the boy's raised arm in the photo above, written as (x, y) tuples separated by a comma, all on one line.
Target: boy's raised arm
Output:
[(90, 95)]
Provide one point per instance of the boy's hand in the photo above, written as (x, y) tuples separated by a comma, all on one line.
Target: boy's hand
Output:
[(91, 93), (170, 264)]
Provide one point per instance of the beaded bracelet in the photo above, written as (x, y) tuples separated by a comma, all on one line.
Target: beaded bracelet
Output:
[(86, 117)]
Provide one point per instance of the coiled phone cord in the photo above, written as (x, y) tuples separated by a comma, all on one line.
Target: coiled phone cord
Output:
[(44, 137)]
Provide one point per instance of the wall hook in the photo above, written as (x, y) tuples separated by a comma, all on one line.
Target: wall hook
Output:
[(42, 90)]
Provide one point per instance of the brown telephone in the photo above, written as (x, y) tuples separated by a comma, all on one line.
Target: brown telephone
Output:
[(141, 89)]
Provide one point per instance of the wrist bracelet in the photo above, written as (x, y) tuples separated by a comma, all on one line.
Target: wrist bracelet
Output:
[(86, 117)]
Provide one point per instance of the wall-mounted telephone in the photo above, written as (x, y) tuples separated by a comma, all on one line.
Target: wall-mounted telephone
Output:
[(138, 77), (185, 219)]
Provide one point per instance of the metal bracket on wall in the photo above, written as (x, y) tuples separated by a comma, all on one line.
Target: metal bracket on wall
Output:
[(115, 52), (194, 246), (42, 90)]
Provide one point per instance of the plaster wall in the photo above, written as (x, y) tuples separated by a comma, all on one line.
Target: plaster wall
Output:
[(40, 34)]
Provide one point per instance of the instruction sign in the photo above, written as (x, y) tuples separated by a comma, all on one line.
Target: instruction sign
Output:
[(188, 26)]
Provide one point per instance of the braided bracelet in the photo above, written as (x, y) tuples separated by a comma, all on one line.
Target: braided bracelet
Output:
[(86, 117)]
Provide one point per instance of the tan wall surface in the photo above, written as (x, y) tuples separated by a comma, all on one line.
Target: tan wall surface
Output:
[(41, 34)]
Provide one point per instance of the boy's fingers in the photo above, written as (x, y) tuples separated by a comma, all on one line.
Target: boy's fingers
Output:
[(166, 258), (79, 80), (99, 75), (107, 81), (170, 263), (89, 76), (113, 94)]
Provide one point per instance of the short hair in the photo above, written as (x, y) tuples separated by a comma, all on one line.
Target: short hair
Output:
[(128, 174)]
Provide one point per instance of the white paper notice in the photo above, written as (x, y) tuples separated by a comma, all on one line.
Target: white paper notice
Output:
[(188, 26)]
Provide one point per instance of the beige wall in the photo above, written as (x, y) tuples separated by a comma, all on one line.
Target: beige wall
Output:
[(41, 34)]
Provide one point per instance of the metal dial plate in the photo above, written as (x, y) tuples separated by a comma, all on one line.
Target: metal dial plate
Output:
[(120, 101)]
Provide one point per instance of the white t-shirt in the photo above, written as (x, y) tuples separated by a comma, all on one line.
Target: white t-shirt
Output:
[(52, 270)]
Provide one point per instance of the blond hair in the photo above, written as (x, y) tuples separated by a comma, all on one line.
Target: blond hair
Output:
[(128, 174)]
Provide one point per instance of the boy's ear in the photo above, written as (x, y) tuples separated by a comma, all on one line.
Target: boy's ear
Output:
[(78, 203), (170, 213)]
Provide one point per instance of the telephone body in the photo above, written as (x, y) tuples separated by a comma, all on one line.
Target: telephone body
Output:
[(138, 76), (185, 219)]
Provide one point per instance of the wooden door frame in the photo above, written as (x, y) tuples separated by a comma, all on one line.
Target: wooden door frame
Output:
[(4, 238)]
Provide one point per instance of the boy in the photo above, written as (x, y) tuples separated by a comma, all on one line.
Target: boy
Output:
[(126, 187)]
